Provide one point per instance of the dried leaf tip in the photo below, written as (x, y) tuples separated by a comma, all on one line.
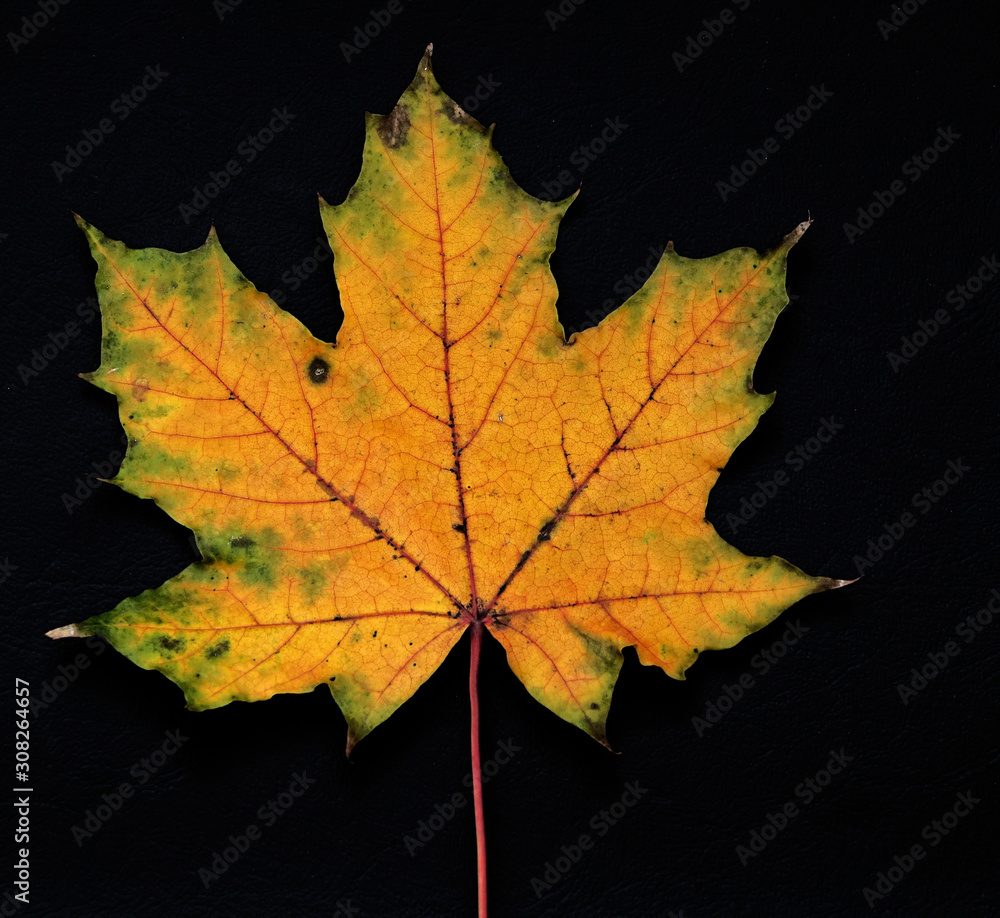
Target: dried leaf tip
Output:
[(91, 232), (65, 631), (352, 741), (830, 583), (796, 234)]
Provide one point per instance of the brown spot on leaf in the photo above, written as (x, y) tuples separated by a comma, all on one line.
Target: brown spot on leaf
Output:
[(454, 112), (394, 127), (218, 650)]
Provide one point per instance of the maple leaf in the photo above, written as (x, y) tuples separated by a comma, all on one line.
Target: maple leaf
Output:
[(451, 462)]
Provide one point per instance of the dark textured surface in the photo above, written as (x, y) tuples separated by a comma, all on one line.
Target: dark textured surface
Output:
[(342, 846)]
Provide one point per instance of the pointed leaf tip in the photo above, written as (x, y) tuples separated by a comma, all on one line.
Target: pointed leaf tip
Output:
[(795, 235), (425, 61), (352, 741), (89, 230), (64, 632), (603, 740)]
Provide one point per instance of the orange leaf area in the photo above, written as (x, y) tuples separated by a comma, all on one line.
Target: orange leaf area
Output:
[(452, 461)]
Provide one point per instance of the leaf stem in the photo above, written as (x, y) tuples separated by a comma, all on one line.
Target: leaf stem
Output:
[(477, 770)]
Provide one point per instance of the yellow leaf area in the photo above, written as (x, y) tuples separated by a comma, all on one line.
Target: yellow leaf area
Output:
[(452, 461)]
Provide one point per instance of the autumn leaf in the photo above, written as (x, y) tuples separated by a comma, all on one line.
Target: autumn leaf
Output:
[(452, 459), (451, 462)]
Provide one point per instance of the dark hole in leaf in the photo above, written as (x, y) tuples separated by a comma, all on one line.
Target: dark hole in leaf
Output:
[(319, 371)]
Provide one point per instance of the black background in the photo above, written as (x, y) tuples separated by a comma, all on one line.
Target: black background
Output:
[(343, 843)]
